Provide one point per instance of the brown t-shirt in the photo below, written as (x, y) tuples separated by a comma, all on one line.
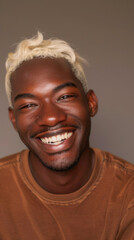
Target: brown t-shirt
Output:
[(103, 209)]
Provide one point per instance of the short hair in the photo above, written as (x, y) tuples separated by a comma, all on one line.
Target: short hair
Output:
[(40, 48)]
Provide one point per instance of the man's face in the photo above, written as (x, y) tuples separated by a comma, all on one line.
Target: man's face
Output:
[(50, 112)]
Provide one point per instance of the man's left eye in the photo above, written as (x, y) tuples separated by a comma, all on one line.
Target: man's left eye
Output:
[(67, 96)]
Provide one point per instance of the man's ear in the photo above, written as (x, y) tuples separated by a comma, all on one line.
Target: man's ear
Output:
[(92, 102), (12, 117)]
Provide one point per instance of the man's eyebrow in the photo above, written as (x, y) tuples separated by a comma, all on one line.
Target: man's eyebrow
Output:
[(24, 95), (67, 84), (30, 95)]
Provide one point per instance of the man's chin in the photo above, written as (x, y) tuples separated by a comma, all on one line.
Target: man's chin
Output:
[(60, 166)]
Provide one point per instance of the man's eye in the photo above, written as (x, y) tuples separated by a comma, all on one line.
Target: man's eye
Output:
[(66, 96), (29, 105)]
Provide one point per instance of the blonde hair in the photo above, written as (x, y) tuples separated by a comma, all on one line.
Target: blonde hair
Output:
[(38, 47)]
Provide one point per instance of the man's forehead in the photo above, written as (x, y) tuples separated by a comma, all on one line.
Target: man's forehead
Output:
[(46, 74), (59, 63), (43, 68)]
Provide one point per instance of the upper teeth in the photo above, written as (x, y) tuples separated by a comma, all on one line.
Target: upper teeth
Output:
[(56, 139)]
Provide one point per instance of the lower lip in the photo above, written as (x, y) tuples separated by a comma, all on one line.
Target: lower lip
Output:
[(63, 146)]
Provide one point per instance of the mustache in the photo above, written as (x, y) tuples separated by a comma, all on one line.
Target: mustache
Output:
[(54, 128)]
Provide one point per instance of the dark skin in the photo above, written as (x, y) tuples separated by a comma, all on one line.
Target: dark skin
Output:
[(52, 114)]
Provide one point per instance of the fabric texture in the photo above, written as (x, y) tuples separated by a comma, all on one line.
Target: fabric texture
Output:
[(103, 209)]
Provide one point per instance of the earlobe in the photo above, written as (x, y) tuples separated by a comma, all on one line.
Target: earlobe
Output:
[(92, 102), (12, 117)]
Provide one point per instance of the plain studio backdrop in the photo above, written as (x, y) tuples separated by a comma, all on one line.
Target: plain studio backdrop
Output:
[(102, 31)]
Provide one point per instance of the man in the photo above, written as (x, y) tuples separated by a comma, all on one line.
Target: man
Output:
[(59, 188)]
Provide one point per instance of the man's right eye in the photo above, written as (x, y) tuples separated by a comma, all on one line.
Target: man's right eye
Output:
[(27, 106)]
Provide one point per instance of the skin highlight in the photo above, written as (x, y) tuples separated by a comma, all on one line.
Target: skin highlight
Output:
[(49, 102)]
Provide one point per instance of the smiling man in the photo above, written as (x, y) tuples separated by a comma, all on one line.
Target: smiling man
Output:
[(60, 187)]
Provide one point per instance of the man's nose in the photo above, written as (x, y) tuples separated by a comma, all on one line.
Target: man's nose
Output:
[(50, 115)]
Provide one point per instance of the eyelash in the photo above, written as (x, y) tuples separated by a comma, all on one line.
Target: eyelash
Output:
[(27, 106), (66, 96)]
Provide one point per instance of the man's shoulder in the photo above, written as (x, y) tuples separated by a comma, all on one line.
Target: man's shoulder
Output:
[(114, 161), (10, 160), (119, 162), (116, 173)]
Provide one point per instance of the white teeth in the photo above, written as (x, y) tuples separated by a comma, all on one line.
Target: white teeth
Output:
[(46, 139), (69, 134), (66, 135), (55, 140), (58, 138)]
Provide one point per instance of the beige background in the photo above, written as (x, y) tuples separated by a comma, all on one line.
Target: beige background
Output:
[(103, 33)]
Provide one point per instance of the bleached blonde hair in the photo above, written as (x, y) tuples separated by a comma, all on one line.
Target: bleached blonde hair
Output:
[(38, 47)]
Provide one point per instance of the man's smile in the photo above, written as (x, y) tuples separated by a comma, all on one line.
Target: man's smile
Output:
[(58, 139)]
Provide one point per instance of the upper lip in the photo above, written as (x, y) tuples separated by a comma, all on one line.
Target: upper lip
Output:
[(58, 131)]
